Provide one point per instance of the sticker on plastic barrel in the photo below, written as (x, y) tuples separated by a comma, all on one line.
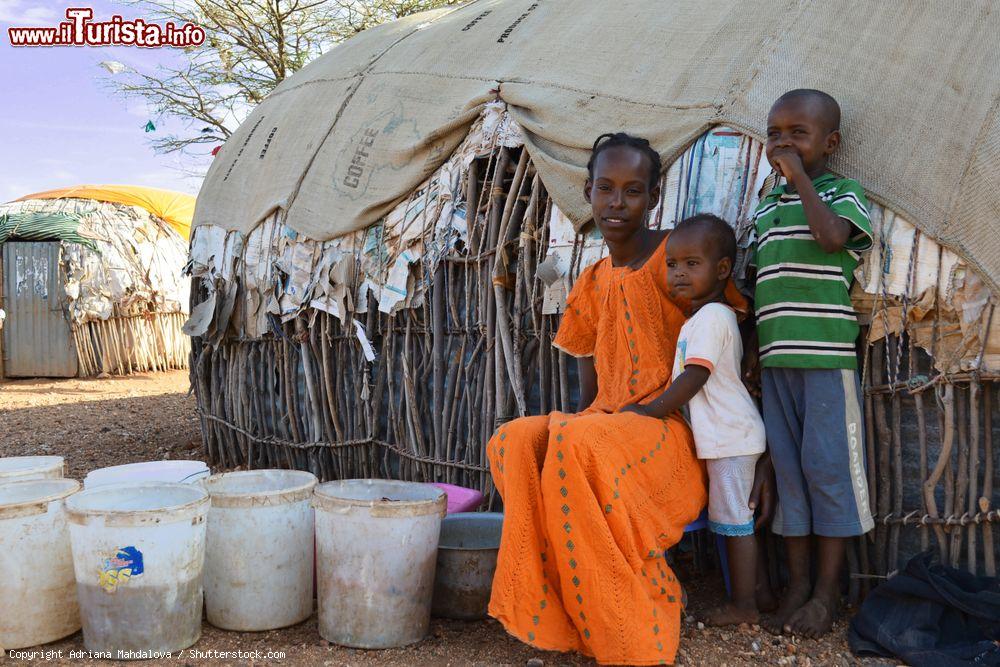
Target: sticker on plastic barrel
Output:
[(117, 569)]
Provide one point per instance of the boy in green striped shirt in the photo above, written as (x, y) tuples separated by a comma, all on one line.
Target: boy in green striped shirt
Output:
[(809, 233)]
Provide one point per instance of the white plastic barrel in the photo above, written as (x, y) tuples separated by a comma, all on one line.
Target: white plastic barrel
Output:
[(259, 551), (138, 554), (376, 547), (184, 472), (37, 587), (15, 468)]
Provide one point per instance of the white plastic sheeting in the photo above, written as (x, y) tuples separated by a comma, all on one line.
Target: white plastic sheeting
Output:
[(283, 273)]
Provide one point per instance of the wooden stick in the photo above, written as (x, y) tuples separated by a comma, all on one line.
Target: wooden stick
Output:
[(973, 472), (897, 481), (499, 274), (962, 480), (307, 372), (492, 380), (947, 443), (883, 447), (918, 400), (989, 546), (438, 314)]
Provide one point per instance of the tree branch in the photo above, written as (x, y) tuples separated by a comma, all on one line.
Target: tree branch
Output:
[(250, 47)]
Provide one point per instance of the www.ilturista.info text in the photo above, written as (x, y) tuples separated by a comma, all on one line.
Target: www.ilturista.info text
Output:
[(81, 30)]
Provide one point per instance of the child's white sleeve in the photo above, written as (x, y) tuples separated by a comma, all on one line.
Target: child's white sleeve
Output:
[(709, 332)]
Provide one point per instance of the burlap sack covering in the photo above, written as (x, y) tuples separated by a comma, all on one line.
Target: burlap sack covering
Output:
[(345, 139)]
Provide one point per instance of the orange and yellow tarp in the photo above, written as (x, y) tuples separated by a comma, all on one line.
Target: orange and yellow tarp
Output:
[(174, 208)]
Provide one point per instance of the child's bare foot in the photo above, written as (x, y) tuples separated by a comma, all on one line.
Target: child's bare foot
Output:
[(731, 614), (795, 597), (813, 619)]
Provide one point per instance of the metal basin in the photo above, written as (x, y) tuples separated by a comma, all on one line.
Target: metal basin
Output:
[(466, 561)]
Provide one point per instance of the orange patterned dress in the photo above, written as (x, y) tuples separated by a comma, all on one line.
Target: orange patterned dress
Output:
[(593, 499)]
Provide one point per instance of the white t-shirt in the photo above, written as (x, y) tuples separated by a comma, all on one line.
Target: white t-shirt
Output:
[(724, 418)]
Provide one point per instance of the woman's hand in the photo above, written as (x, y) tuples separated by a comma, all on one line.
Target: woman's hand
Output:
[(636, 408), (762, 493)]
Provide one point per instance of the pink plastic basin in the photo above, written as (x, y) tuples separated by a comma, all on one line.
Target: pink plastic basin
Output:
[(460, 499)]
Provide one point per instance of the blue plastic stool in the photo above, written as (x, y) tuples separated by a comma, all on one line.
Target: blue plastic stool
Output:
[(720, 545)]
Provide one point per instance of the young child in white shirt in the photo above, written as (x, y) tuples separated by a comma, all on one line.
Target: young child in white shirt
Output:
[(728, 429)]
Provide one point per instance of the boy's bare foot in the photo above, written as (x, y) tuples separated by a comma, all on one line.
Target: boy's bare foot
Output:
[(730, 614), (794, 598), (813, 619)]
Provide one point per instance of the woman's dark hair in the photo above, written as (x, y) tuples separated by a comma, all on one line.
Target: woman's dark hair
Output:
[(612, 139)]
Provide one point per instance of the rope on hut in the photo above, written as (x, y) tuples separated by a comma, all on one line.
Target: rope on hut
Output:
[(270, 440)]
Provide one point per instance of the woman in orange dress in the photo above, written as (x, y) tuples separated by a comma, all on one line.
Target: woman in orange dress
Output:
[(593, 499)]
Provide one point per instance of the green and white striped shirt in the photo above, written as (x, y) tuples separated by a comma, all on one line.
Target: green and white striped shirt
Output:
[(804, 314)]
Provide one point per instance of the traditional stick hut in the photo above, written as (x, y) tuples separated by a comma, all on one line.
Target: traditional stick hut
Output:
[(93, 281), (382, 251)]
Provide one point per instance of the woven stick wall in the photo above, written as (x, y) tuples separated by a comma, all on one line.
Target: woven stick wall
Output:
[(131, 344), (473, 350), (307, 398)]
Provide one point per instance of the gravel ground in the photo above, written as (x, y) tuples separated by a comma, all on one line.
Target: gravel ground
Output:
[(96, 423)]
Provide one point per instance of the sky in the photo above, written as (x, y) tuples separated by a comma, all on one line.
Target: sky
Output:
[(60, 126)]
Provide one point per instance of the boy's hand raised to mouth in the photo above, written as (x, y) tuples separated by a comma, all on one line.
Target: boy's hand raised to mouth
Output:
[(829, 230), (788, 163)]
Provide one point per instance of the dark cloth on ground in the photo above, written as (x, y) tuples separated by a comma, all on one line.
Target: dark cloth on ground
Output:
[(931, 615)]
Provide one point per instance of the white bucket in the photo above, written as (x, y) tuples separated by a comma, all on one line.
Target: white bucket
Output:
[(16, 468), (377, 547), (183, 472), (36, 567), (259, 551), (138, 554)]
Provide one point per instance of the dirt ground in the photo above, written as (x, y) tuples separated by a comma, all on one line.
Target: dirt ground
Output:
[(96, 423)]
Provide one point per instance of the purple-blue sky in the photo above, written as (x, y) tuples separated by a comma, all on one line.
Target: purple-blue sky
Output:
[(60, 126)]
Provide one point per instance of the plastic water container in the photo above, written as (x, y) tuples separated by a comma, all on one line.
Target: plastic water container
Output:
[(377, 546), (460, 498), (183, 472), (466, 562), (138, 554), (36, 566), (259, 552), (16, 468)]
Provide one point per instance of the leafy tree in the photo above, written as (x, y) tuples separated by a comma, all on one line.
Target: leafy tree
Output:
[(250, 46)]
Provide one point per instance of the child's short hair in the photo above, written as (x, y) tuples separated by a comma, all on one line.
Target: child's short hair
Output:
[(829, 106), (718, 234), (612, 139)]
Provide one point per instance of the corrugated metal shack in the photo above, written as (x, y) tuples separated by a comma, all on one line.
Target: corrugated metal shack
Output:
[(37, 339), (89, 288)]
